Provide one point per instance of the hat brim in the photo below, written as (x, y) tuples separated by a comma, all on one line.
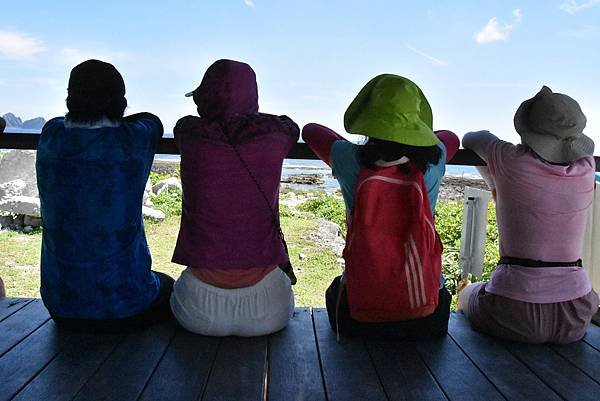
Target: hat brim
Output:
[(557, 150), (190, 94), (548, 147)]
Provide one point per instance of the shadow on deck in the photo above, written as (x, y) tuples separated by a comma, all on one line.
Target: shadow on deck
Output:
[(39, 361)]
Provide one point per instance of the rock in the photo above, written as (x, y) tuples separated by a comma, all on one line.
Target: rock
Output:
[(152, 213), (32, 221), (5, 221), (166, 185), (146, 201), (326, 235), (306, 179), (453, 187), (12, 188), (330, 227), (21, 205), (27, 229), (34, 123), (20, 165), (292, 199), (301, 256), (165, 166)]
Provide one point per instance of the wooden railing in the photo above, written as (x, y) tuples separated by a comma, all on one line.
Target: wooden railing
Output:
[(167, 146)]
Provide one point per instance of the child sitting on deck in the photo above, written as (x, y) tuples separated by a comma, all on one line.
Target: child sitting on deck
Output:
[(382, 262), (92, 167), (539, 293), (230, 238)]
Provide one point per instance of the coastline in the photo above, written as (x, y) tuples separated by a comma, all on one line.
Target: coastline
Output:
[(451, 188)]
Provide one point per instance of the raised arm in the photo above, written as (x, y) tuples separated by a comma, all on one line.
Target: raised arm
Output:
[(320, 139), (450, 141), (478, 142)]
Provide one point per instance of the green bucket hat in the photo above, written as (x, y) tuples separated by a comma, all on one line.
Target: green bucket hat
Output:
[(391, 108)]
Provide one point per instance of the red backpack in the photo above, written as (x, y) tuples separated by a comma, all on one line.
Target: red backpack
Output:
[(393, 253)]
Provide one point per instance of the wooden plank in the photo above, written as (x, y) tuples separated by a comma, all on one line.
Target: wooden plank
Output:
[(70, 370), (514, 380), (592, 336), (124, 374), (8, 306), (456, 374), (567, 380), (402, 372), (239, 370), (582, 355), (20, 324), (19, 365), (348, 371), (294, 369), (184, 369)]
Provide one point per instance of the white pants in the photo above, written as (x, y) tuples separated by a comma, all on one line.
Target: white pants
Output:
[(260, 309)]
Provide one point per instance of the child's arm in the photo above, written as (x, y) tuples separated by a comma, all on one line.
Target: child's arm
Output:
[(320, 139), (450, 141), (479, 142)]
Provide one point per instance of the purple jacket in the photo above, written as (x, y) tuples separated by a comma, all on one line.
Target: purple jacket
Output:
[(225, 221)]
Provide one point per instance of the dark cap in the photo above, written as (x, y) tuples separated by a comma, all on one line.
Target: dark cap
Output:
[(94, 77)]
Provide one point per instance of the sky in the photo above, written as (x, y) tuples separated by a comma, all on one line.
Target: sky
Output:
[(475, 60)]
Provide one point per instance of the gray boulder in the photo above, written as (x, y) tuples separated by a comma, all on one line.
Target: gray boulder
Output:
[(19, 165), (146, 201), (166, 185), (21, 205), (152, 213), (12, 188)]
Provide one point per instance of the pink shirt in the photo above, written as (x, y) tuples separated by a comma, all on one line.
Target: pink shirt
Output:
[(541, 211), (541, 208)]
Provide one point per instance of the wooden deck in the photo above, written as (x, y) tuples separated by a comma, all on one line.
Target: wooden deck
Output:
[(39, 361)]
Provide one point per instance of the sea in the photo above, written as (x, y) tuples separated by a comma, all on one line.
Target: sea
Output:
[(304, 166), (330, 184)]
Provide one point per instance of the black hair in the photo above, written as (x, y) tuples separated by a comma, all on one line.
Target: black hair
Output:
[(89, 107), (378, 149)]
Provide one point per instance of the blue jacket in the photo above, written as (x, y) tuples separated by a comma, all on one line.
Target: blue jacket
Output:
[(95, 261)]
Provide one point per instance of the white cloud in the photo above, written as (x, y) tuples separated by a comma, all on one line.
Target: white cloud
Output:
[(572, 7), (427, 56), (249, 3), (493, 31), (14, 45)]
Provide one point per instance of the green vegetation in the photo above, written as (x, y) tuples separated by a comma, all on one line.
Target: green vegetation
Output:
[(169, 202), (156, 177), (327, 207), (315, 266)]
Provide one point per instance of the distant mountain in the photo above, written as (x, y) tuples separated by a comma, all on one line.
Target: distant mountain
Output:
[(13, 121)]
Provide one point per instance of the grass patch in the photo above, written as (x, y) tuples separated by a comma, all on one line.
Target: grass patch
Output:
[(318, 267)]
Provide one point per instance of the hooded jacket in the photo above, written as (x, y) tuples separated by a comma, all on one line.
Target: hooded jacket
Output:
[(225, 222)]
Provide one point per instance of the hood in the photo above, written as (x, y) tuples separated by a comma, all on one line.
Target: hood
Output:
[(228, 88)]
